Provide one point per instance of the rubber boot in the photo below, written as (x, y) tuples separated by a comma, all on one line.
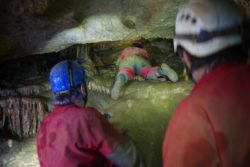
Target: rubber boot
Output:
[(165, 70), (120, 81)]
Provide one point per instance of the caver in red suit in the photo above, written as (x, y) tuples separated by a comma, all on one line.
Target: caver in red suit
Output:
[(73, 135), (134, 60), (211, 126)]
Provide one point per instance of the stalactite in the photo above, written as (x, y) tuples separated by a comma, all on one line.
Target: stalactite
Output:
[(7, 92), (25, 114), (99, 88), (29, 90), (82, 57), (2, 113)]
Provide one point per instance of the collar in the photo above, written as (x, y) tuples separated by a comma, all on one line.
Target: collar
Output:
[(205, 79)]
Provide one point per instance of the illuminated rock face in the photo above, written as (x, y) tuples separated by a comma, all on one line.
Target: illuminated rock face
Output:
[(42, 26)]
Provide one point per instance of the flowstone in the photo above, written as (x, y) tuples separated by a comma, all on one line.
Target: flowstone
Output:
[(142, 112)]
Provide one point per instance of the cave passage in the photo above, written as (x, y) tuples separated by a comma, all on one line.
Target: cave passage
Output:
[(141, 112)]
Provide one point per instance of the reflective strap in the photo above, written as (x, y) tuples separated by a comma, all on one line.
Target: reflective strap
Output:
[(205, 36), (70, 70)]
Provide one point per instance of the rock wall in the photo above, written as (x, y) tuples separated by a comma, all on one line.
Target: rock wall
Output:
[(43, 26)]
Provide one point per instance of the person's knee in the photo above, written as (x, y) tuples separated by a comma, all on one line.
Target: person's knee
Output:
[(122, 77), (149, 73)]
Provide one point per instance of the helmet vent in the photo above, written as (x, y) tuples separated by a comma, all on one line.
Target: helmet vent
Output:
[(187, 17), (70, 70), (182, 17), (194, 21)]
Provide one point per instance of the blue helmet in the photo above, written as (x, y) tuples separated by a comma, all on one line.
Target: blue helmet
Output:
[(66, 75)]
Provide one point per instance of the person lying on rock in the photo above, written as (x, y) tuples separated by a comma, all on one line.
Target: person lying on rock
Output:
[(74, 135), (134, 60)]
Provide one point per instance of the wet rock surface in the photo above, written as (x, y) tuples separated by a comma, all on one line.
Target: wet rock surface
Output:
[(18, 153), (142, 111)]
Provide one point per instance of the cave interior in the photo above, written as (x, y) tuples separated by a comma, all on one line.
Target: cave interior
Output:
[(36, 34)]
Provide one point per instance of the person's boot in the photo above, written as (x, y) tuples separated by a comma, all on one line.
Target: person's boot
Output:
[(115, 90), (169, 72)]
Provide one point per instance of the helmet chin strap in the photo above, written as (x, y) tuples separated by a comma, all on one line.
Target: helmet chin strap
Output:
[(70, 71), (84, 93), (189, 72)]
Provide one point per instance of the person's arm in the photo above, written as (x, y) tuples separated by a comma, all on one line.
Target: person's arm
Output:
[(126, 154), (120, 150), (190, 140)]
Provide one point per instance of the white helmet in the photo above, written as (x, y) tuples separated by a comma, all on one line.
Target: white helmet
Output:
[(204, 27)]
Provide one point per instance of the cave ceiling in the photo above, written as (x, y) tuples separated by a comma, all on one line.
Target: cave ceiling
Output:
[(44, 26)]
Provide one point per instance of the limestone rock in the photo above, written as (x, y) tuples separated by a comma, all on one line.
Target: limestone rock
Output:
[(42, 26)]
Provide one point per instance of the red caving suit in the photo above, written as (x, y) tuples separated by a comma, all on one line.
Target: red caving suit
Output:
[(76, 137), (211, 127)]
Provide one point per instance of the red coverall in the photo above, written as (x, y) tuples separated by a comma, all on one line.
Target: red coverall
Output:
[(211, 127), (76, 137), (134, 51), (138, 65)]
